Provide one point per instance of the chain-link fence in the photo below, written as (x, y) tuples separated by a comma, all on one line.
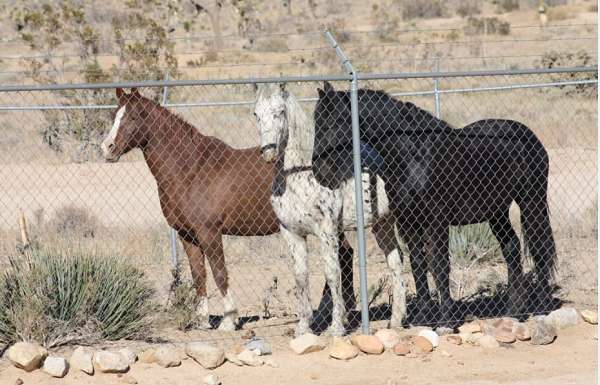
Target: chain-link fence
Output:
[(192, 156)]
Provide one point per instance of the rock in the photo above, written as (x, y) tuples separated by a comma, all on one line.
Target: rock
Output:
[(454, 339), (504, 336), (110, 362), (232, 357), (367, 344), (505, 323), (431, 336), (471, 327), (470, 338), (521, 331), (388, 337), (250, 358), (19, 381), (342, 350), (147, 356), (544, 333), (56, 366), (167, 357), (26, 355), (488, 342), (590, 316), (211, 379), (129, 355), (260, 345), (563, 318), (402, 348), (81, 359), (128, 380), (421, 345), (208, 356), (445, 354), (271, 362), (487, 329), (248, 334), (306, 343)]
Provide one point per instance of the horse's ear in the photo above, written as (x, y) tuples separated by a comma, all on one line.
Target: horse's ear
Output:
[(327, 87), (120, 93), (321, 93), (282, 88), (255, 87)]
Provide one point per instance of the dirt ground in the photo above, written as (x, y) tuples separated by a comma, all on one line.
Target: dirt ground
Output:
[(570, 360)]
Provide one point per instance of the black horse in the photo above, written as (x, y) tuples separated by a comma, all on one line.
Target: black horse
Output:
[(437, 176)]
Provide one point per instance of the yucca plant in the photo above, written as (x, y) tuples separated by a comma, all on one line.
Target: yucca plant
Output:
[(473, 243), (55, 299)]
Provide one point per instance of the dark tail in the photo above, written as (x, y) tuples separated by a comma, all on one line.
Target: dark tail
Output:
[(538, 239)]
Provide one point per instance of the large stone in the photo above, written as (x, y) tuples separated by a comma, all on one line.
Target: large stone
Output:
[(471, 327), (110, 362), (81, 359), (250, 358), (56, 366), (306, 343), (232, 357), (388, 337), (590, 316), (128, 380), (342, 350), (402, 348), (521, 331), (208, 356), (421, 345), (487, 341), (504, 336), (259, 344), (211, 379), (367, 344), (129, 355), (167, 357), (505, 323), (431, 336), (544, 333), (454, 339), (147, 356), (26, 355), (563, 318)]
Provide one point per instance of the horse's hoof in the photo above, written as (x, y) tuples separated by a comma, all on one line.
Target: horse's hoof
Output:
[(227, 325)]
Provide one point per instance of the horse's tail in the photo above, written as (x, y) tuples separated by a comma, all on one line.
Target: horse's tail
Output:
[(535, 214)]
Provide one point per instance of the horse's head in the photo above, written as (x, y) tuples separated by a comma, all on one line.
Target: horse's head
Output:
[(129, 118), (270, 114), (333, 119)]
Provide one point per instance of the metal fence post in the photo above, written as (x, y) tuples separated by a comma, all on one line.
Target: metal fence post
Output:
[(436, 89), (173, 233), (360, 222)]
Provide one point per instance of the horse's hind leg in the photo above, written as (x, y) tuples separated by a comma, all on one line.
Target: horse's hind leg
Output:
[(198, 269), (299, 251), (388, 243), (328, 235), (213, 249), (415, 240), (511, 250), (440, 261)]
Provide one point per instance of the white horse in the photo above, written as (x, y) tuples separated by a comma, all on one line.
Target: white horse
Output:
[(305, 207)]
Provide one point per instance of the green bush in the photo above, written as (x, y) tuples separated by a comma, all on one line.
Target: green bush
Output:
[(473, 243), (423, 9), (56, 299)]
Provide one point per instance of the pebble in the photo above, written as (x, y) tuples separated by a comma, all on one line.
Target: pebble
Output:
[(250, 358), (471, 327), (454, 339), (521, 331), (563, 317), (55, 366), (259, 344), (342, 350), (208, 356), (590, 316), (271, 362), (306, 343), (544, 333), (504, 336), (211, 379), (431, 336), (26, 355), (167, 357), (421, 345), (81, 359), (128, 380), (367, 344), (248, 334), (232, 357), (110, 362), (445, 354), (147, 356), (19, 381), (388, 337), (487, 341), (402, 348)]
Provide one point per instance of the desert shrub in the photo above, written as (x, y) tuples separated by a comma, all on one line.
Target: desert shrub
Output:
[(468, 8), (487, 25), (558, 14), (72, 221), (473, 243), (581, 58), (507, 5), (56, 299), (593, 8), (182, 306), (423, 9)]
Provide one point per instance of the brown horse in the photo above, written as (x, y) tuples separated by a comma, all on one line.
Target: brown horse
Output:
[(206, 189)]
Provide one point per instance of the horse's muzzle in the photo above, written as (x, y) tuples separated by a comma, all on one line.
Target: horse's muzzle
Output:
[(268, 153), (107, 152)]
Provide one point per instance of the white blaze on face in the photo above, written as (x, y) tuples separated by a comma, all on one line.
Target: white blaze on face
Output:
[(112, 135)]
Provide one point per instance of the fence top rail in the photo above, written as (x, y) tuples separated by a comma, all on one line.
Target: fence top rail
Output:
[(361, 76)]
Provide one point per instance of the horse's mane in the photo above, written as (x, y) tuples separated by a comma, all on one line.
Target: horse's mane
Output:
[(385, 109)]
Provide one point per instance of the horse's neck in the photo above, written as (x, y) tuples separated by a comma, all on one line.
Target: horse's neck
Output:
[(170, 145), (298, 146)]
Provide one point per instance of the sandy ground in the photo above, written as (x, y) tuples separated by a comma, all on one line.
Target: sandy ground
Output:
[(570, 360)]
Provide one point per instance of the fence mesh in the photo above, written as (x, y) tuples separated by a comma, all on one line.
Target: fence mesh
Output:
[(201, 171)]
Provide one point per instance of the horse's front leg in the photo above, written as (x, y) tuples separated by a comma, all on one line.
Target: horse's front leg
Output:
[(198, 269), (213, 249), (415, 240), (299, 251), (328, 235), (440, 259)]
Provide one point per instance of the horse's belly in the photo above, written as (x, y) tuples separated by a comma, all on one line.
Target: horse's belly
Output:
[(375, 200)]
